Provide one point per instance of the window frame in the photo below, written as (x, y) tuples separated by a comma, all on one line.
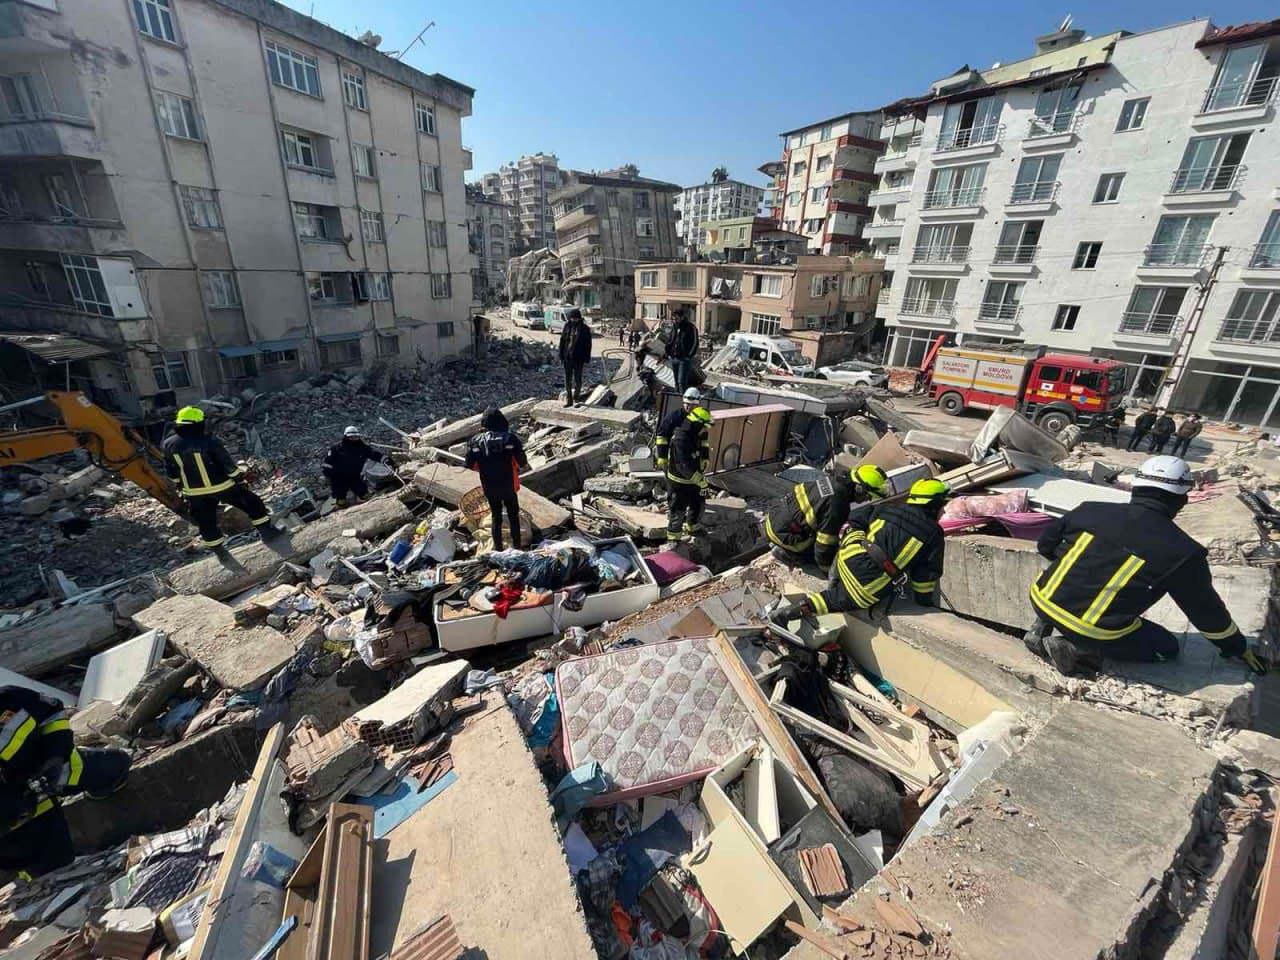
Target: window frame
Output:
[(278, 55), (24, 93), (646, 276), (1100, 195), (208, 204), (434, 170), (380, 344), (437, 234), (370, 164), (163, 366), (80, 272), (379, 287), (422, 109), (352, 352), (441, 286), (1082, 259), (766, 282), (766, 323), (353, 90), (371, 226), (444, 330), (302, 142), (1128, 109), (221, 289), (645, 227), (166, 103), (319, 281), (163, 16), (279, 359), (311, 215), (1065, 318)]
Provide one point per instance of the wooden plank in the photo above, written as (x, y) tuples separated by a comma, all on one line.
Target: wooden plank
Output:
[(552, 411), (761, 788), (734, 874), (205, 944), (828, 945), (871, 753), (449, 484), (1266, 921), (465, 428)]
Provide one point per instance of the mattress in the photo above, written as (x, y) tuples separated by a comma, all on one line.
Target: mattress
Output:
[(654, 717)]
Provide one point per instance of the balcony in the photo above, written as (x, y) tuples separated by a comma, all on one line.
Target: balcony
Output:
[(1182, 260), (1256, 333), (966, 202), (1198, 186), (575, 216), (900, 193), (1001, 315), (940, 254), (883, 227), (1264, 263), (1150, 329), (1014, 259), (49, 135), (968, 142), (927, 307), (1037, 197), (1054, 130), (1244, 101), (900, 156), (66, 234)]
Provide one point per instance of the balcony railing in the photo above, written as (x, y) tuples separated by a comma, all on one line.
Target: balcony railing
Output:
[(1175, 254), (588, 209), (1257, 92), (887, 222), (1007, 253), (1239, 330), (882, 192), (927, 307), (1266, 256), (942, 199), (1047, 126), (1152, 324), (940, 254), (969, 137), (999, 312), (1036, 192), (902, 149), (1205, 179)]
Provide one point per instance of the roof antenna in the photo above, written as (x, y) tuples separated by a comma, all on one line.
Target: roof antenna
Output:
[(1066, 24), (400, 55)]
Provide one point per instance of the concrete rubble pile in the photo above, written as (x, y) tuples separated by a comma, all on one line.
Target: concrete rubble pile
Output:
[(385, 737)]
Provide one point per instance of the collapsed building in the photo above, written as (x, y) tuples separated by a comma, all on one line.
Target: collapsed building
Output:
[(386, 739)]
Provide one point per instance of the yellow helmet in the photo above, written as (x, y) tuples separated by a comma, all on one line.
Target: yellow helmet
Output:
[(927, 491), (701, 414), (189, 415), (871, 477)]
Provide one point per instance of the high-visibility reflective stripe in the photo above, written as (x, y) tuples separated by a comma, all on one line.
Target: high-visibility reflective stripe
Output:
[(1108, 593), (76, 764), (182, 472), (1065, 564), (806, 508), (828, 538), (907, 553), (261, 520), (923, 586), (796, 548), (17, 736), (205, 480), (819, 605), (1070, 621), (853, 536), (696, 479), (214, 543), (875, 527), (857, 592), (1221, 634), (236, 472), (55, 723)]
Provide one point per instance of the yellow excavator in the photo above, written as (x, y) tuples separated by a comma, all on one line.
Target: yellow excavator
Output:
[(111, 445)]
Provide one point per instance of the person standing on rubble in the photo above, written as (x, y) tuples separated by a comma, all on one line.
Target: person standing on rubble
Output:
[(806, 523), (681, 449), (498, 456), (208, 477), (887, 551), (39, 765), (1112, 562), (1187, 431), (1141, 427), (1161, 431), (575, 352), (682, 349), (344, 466), (1111, 424)]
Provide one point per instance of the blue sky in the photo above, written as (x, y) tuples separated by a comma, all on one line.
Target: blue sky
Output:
[(679, 88)]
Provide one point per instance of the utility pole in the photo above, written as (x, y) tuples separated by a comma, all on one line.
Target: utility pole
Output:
[(1182, 352)]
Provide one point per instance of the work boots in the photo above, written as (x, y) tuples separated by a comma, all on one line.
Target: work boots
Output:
[(1052, 648)]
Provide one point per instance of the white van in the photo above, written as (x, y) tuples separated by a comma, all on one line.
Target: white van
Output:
[(775, 351), (555, 318), (527, 315)]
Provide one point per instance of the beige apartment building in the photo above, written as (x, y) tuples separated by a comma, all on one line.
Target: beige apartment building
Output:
[(820, 186), (605, 224), (490, 228), (826, 304), (204, 195)]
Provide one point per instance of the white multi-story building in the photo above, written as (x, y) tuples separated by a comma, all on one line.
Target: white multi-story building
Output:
[(1081, 199), (820, 188), (211, 194), (490, 226), (718, 200), (525, 185)]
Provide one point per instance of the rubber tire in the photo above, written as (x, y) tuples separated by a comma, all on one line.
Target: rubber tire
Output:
[(951, 403), (1054, 421)]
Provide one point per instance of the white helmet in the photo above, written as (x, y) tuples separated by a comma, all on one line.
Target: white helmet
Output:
[(692, 395), (1165, 473), (351, 432)]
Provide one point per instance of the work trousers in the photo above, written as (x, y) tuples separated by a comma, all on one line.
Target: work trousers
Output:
[(681, 369), (1150, 643), (1135, 438), (684, 508), (573, 381), (1158, 440), (1111, 435), (341, 486), (1180, 446), (40, 845), (506, 499), (204, 511)]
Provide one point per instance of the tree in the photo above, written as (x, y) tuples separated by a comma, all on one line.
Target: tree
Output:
[(719, 175)]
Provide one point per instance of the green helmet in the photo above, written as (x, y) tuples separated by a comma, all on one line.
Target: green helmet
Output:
[(189, 415), (871, 477), (927, 491), (701, 414)]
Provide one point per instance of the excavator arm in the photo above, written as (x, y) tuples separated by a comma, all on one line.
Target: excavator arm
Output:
[(111, 445)]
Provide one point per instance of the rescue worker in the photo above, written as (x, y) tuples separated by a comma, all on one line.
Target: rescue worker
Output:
[(208, 476), (682, 350), (1111, 424), (681, 449), (344, 465), (1111, 562), (40, 764), (1161, 431), (889, 550), (807, 521), (1141, 427), (575, 353), (498, 456), (1187, 431)]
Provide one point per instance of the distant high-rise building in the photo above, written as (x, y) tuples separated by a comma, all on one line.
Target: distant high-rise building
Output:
[(526, 186), (720, 199)]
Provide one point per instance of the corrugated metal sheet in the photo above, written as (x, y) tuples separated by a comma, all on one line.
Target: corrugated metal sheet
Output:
[(439, 941), (55, 347)]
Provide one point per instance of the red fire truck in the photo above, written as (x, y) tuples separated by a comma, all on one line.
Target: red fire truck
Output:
[(1052, 389)]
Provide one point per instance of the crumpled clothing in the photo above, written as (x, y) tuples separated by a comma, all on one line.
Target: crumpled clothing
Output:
[(576, 788), (508, 595), (595, 887), (478, 680), (548, 571), (645, 852)]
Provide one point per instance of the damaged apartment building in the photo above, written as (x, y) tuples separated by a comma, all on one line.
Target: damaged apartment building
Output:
[(490, 230), (198, 196), (606, 223)]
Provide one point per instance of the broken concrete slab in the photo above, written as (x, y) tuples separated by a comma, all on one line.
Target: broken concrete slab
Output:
[(113, 673), (255, 562), (565, 475), (551, 411), (148, 697), (945, 448), (449, 484), (204, 630), (317, 763), (513, 900), (41, 644), (468, 427), (1060, 495), (652, 524), (406, 714), (1010, 430), (1205, 933)]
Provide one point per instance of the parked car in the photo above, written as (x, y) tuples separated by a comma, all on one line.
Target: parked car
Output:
[(856, 373), (527, 315)]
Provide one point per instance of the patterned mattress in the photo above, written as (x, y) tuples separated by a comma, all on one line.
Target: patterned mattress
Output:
[(655, 716)]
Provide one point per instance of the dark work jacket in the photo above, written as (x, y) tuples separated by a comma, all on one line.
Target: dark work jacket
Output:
[(689, 452), (347, 458), (497, 455), (662, 438), (1163, 427), (199, 463), (575, 343), (1113, 561), (684, 341), (911, 538), (34, 732), (812, 514), (1144, 422), (1189, 428)]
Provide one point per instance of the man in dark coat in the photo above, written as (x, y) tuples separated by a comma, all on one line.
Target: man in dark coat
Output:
[(682, 350), (1141, 427), (575, 352), (1161, 431), (345, 464), (498, 456)]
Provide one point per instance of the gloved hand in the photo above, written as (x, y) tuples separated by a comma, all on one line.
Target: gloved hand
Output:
[(48, 779), (1255, 663), (787, 611), (704, 490)]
